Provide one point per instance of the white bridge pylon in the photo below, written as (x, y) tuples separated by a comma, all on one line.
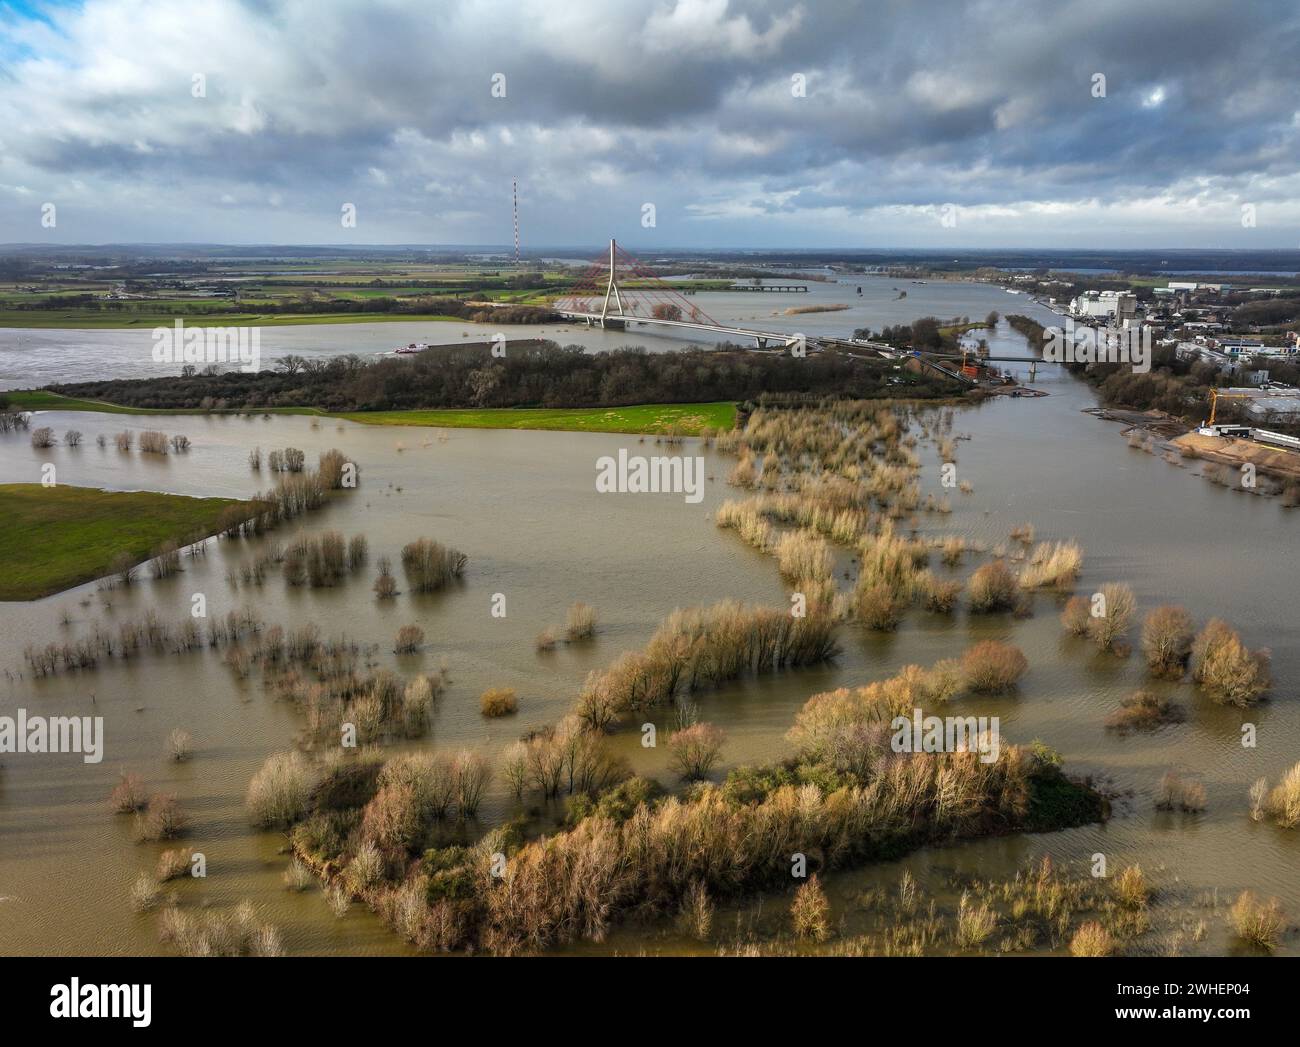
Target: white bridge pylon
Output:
[(671, 307)]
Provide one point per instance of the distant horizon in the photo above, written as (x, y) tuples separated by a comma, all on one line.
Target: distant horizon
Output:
[(527, 252), (799, 126)]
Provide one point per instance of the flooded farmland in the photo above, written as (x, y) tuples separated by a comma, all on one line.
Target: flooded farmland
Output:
[(524, 508)]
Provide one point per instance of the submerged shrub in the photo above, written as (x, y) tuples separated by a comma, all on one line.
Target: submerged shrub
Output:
[(336, 470), (694, 750), (1229, 672), (499, 701), (162, 819), (992, 667), (1167, 634), (803, 556), (129, 794), (1076, 616), (213, 932), (279, 792), (975, 922), (580, 622), (1052, 565), (429, 565), (993, 587), (297, 877), (1257, 923), (173, 863), (1111, 614), (408, 640), (1282, 802), (144, 893), (1092, 939), (180, 745), (385, 584), (166, 561), (1176, 793), (1144, 711), (810, 912), (153, 442), (696, 914), (880, 607), (1131, 888), (939, 595)]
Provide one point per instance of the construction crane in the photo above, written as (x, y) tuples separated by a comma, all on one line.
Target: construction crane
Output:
[(1214, 402), (1210, 429)]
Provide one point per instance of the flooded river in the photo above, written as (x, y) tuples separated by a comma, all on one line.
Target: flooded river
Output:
[(523, 506), (30, 357)]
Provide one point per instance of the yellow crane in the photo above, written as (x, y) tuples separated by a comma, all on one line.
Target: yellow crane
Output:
[(1214, 402)]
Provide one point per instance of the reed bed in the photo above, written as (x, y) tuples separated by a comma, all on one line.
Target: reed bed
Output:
[(659, 856), (703, 648), (1054, 565), (213, 932), (1281, 802), (580, 623), (148, 633)]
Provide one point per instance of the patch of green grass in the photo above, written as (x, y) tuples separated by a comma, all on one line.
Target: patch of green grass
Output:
[(689, 419), (52, 538), (92, 319), (44, 400)]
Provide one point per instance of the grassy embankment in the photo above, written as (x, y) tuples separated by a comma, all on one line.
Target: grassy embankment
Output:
[(44, 400), (94, 319), (687, 419), (52, 538)]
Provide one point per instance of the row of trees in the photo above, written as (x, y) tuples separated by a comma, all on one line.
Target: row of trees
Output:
[(543, 375)]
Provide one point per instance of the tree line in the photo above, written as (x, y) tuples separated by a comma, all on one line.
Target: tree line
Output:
[(543, 375)]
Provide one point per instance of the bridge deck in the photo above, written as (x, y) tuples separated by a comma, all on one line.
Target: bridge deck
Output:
[(785, 338)]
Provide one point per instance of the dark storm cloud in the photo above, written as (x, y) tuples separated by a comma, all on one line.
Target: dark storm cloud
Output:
[(684, 103)]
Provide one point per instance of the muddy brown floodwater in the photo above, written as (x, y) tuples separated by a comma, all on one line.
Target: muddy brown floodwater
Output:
[(523, 506)]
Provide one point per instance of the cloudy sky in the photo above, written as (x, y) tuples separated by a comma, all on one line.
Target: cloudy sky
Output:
[(743, 122)]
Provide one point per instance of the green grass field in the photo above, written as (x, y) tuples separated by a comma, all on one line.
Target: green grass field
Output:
[(689, 419), (52, 538), (44, 400), (90, 319)]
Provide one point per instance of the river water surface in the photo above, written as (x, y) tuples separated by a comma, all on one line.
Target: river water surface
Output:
[(523, 506)]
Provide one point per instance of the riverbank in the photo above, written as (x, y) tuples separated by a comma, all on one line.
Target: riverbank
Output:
[(95, 320), (52, 538), (689, 419), (1271, 461), (649, 419)]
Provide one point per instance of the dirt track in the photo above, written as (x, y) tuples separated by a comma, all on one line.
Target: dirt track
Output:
[(1271, 460)]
